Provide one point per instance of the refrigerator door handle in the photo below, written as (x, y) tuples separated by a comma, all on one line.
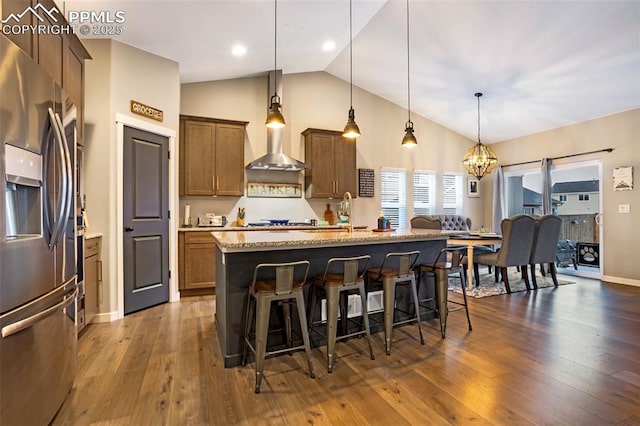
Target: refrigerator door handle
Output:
[(62, 200), (29, 321), (46, 153), (67, 177)]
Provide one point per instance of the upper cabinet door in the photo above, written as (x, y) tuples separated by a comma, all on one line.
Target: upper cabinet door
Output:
[(319, 156), (332, 164), (198, 155), (345, 165), (229, 159), (50, 48), (24, 40), (211, 156)]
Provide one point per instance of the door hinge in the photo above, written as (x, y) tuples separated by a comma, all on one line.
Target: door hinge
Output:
[(169, 273), (169, 214), (169, 155)]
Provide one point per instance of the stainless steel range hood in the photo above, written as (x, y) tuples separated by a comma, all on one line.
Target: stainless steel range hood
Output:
[(275, 159)]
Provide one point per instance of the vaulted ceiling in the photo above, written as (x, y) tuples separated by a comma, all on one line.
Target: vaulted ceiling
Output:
[(540, 64)]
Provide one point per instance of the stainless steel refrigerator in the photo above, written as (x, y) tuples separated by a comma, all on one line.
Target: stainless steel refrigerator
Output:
[(38, 289)]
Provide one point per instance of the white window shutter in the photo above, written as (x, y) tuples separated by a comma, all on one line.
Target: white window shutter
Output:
[(424, 192), (452, 193), (393, 196)]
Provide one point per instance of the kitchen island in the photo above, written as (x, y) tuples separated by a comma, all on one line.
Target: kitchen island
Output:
[(238, 253)]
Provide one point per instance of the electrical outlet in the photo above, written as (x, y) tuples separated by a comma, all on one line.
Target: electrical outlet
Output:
[(624, 208)]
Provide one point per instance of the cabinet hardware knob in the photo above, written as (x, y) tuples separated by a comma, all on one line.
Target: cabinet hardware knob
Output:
[(128, 228)]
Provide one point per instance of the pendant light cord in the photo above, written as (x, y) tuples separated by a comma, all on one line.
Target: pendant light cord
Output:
[(478, 96), (408, 69), (275, 49), (350, 55)]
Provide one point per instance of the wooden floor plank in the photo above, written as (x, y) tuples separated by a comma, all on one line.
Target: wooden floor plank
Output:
[(566, 355)]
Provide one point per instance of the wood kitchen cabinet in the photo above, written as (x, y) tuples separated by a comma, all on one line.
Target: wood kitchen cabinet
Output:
[(332, 164), (61, 55), (211, 156), (25, 40), (73, 79), (92, 278), (196, 260)]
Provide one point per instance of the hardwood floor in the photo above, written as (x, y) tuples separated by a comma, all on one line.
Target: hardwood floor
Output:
[(563, 356)]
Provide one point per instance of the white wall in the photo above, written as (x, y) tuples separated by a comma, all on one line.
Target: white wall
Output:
[(320, 100), (117, 74), (618, 131)]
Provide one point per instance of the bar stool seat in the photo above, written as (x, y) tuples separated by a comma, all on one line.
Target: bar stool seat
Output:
[(450, 262), (341, 275), (397, 268), (284, 289)]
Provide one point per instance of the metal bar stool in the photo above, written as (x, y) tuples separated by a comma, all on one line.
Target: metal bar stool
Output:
[(341, 275), (397, 268), (450, 261), (284, 289)]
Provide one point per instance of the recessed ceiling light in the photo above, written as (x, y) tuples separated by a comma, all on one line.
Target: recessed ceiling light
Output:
[(328, 45), (238, 50)]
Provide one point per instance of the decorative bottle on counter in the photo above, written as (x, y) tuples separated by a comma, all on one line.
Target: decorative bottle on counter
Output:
[(382, 221), (328, 215), (241, 215)]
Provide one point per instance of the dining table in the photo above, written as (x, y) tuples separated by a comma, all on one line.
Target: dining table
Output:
[(472, 240)]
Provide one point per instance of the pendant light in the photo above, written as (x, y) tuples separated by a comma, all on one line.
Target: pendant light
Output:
[(480, 159), (275, 119), (409, 140), (351, 129)]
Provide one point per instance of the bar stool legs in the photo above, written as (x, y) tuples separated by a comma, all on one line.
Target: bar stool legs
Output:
[(341, 276), (448, 263), (333, 296), (302, 315), (260, 297), (389, 294), (263, 309), (396, 268)]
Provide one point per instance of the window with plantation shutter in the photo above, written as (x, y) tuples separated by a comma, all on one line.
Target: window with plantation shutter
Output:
[(452, 193), (393, 196), (424, 192)]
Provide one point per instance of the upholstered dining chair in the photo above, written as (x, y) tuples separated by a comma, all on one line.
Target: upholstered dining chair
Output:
[(517, 240), (545, 243), (425, 222), (450, 223)]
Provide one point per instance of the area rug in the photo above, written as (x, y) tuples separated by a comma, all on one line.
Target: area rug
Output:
[(488, 286)]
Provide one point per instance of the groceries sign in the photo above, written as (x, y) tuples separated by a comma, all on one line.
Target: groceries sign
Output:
[(146, 111)]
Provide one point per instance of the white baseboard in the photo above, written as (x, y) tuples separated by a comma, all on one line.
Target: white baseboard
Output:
[(105, 317), (620, 280)]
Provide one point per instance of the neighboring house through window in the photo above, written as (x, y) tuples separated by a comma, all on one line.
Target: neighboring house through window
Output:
[(583, 197)]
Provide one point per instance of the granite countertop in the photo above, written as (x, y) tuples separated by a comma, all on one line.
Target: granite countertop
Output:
[(254, 228), (230, 242)]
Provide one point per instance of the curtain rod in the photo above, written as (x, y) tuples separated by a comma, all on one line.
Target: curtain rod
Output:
[(558, 158)]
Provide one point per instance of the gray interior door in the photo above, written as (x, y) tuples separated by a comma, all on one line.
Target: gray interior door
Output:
[(145, 220)]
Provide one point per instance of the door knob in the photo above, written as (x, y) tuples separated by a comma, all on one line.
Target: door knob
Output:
[(128, 228)]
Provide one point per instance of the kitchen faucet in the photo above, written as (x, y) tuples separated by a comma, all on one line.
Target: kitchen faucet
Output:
[(347, 207)]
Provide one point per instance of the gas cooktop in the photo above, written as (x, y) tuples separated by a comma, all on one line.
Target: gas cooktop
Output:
[(280, 223)]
